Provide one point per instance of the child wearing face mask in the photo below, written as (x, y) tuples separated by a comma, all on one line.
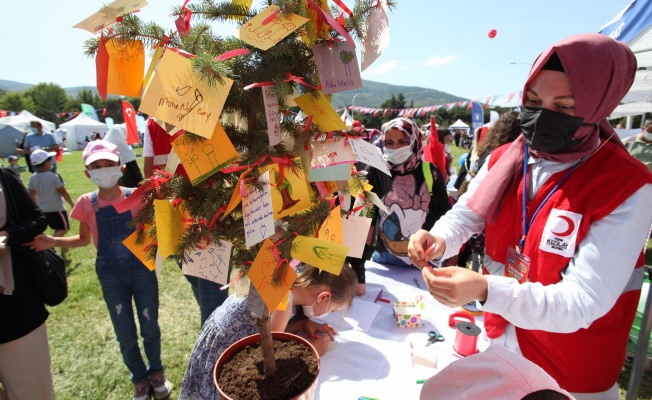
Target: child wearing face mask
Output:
[(123, 277), (317, 293)]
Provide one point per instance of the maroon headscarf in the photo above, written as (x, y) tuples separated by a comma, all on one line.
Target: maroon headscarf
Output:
[(600, 71)]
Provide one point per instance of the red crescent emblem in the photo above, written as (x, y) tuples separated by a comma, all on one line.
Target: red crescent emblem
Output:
[(571, 227)]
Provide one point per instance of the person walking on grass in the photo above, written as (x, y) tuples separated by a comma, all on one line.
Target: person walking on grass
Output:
[(123, 277)]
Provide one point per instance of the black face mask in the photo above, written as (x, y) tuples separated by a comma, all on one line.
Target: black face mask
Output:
[(549, 131)]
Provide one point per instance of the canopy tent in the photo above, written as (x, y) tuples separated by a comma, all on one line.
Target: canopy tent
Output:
[(10, 138), (459, 125), (347, 118), (80, 128), (47, 125), (19, 122)]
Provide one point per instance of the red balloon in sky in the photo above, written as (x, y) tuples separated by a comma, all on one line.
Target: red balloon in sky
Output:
[(492, 33)]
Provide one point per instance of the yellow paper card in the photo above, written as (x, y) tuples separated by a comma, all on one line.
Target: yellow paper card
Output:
[(357, 185), (236, 197), (320, 28), (320, 253), (202, 159), (267, 35), (292, 194), (331, 228), (323, 113), (126, 67), (261, 272), (152, 65), (178, 97), (244, 3), (284, 303), (168, 227), (139, 250)]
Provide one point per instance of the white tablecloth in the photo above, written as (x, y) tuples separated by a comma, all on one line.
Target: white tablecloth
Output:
[(377, 363)]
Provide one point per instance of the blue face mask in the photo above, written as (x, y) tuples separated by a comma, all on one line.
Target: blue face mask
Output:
[(34, 130)]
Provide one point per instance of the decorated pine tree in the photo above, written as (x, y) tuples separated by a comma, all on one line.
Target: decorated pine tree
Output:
[(229, 105)]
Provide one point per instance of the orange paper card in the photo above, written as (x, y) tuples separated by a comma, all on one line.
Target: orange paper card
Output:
[(331, 228), (126, 67), (261, 272), (320, 253), (139, 250)]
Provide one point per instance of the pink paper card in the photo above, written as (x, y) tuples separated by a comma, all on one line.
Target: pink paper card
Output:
[(354, 234), (376, 37), (337, 67), (258, 214), (271, 113), (330, 152), (369, 154)]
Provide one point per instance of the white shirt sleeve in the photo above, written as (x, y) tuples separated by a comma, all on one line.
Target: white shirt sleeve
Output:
[(148, 150)]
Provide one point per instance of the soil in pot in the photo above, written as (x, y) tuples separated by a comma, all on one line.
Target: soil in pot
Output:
[(242, 377)]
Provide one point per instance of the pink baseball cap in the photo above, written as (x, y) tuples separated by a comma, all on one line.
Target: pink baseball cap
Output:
[(100, 150), (496, 373)]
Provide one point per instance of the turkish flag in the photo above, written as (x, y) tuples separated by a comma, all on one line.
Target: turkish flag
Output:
[(130, 119)]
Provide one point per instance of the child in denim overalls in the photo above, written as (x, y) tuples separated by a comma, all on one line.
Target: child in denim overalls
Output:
[(122, 275)]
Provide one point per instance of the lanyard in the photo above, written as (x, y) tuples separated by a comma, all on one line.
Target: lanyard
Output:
[(526, 225)]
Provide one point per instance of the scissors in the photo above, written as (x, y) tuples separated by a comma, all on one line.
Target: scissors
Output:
[(434, 337)]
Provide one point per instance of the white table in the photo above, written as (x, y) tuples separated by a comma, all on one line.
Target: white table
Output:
[(377, 363)]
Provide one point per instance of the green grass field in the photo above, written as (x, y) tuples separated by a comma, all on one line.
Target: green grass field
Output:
[(86, 361)]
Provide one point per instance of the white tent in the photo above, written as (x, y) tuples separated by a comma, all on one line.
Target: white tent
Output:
[(80, 128), (459, 125), (10, 138), (347, 118), (16, 121), (47, 125)]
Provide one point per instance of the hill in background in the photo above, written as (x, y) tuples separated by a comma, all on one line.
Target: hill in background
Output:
[(372, 94)]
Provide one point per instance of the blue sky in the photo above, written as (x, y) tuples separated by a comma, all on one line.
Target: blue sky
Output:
[(437, 44)]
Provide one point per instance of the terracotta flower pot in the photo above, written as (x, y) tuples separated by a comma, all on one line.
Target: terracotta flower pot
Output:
[(307, 394)]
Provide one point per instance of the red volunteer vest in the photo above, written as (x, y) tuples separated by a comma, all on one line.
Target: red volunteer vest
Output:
[(588, 360), (161, 146)]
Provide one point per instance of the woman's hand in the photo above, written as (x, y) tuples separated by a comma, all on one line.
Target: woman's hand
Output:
[(320, 343), (455, 286), (313, 327), (420, 242), (41, 242)]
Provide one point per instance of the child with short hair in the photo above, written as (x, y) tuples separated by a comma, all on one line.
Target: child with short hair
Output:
[(14, 167), (123, 277), (47, 190)]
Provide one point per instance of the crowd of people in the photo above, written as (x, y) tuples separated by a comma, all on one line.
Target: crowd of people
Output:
[(560, 242)]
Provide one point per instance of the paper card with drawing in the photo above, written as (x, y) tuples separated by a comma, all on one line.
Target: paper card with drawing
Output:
[(210, 263), (264, 36), (140, 250), (261, 272), (369, 154), (291, 195), (168, 227), (258, 213), (179, 97), (329, 152), (354, 233), (272, 116), (202, 158), (108, 14), (319, 253), (331, 228), (126, 67), (326, 188), (376, 35), (323, 113), (337, 67)]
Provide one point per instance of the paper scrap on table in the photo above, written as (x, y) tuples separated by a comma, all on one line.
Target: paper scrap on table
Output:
[(272, 115), (264, 36), (139, 250), (369, 154), (108, 14), (291, 195), (258, 214), (126, 67), (340, 172), (331, 228), (210, 263), (359, 317), (323, 113), (168, 227), (255, 302), (330, 152), (337, 67), (261, 273), (177, 96), (319, 253), (376, 30), (202, 158), (354, 233)]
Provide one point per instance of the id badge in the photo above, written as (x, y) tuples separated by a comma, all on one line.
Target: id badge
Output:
[(517, 264)]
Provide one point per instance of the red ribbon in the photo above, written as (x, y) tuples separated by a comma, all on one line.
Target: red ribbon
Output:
[(300, 80), (258, 84), (183, 22), (232, 53), (216, 216), (181, 52), (233, 281), (331, 22), (279, 261), (308, 122), (271, 17), (343, 7), (176, 201)]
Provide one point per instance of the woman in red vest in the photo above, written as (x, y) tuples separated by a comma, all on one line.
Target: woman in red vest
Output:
[(567, 213)]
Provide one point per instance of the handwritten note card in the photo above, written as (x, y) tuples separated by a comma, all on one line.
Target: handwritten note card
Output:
[(261, 273), (210, 263), (202, 159), (140, 250), (320, 253), (323, 113), (376, 35), (168, 227), (354, 233), (178, 97), (326, 153), (369, 154), (271, 113), (264, 36), (107, 15), (331, 228), (258, 214), (337, 67), (291, 195), (126, 67)]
